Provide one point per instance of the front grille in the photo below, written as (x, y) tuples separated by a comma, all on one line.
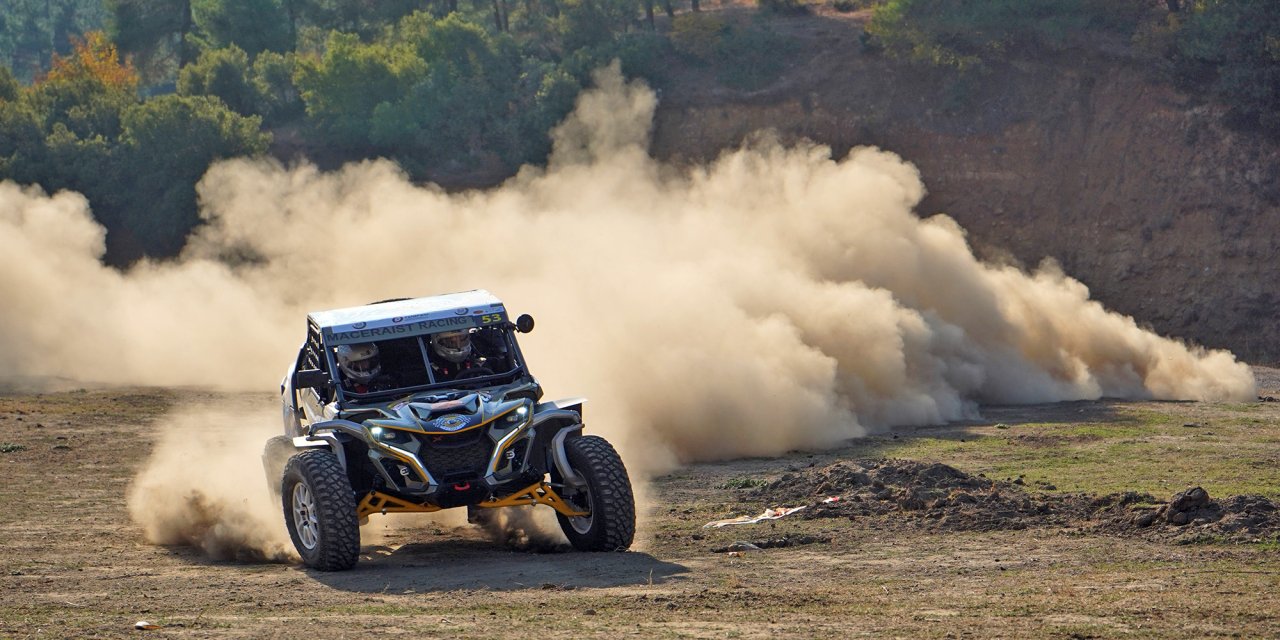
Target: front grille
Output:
[(456, 457)]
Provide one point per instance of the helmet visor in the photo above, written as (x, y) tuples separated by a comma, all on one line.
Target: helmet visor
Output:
[(453, 340)]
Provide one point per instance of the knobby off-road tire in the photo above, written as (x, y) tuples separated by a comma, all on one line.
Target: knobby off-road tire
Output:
[(320, 511), (275, 455), (611, 524)]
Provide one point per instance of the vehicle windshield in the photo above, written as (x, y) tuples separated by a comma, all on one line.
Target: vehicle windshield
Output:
[(464, 358)]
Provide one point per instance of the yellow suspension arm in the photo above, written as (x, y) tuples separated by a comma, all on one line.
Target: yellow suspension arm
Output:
[(536, 493)]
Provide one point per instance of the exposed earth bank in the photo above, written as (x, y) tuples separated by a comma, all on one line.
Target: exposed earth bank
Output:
[(1088, 158)]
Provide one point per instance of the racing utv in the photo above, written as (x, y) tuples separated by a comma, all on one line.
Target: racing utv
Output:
[(418, 432)]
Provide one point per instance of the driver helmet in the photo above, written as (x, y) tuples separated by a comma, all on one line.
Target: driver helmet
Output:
[(359, 361), (454, 346)]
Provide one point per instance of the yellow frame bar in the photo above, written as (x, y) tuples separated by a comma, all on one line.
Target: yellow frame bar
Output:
[(378, 502), (536, 493)]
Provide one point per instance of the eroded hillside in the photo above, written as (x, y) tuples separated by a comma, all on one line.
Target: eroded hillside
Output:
[(1136, 189)]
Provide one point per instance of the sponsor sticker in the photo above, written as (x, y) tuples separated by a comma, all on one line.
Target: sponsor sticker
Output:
[(451, 422)]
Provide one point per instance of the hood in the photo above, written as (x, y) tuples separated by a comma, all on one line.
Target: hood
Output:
[(446, 412)]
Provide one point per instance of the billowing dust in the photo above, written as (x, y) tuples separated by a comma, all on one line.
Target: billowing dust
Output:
[(204, 486), (776, 298)]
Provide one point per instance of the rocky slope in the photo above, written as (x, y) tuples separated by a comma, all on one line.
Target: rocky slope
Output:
[(1089, 158)]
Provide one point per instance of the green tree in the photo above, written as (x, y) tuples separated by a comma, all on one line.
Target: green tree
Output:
[(10, 88), (1232, 48), (155, 33), (252, 25), (584, 24), (85, 91), (464, 104), (272, 76), (362, 17), (83, 127), (342, 88), (166, 144), (21, 141), (225, 74), (32, 30)]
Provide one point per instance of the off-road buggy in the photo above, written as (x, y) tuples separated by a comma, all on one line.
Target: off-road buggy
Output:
[(419, 443)]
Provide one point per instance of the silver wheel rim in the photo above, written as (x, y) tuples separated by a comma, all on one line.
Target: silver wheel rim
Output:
[(304, 516), (581, 501)]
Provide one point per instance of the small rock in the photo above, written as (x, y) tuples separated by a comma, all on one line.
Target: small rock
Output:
[(589, 612), (1189, 500)]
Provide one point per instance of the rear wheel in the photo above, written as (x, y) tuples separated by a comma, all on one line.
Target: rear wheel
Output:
[(320, 511), (610, 523)]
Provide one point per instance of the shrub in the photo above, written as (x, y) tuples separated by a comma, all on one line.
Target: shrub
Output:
[(697, 35), (846, 6), (752, 56), (784, 7)]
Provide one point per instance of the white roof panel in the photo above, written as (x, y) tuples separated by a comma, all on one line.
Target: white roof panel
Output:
[(405, 318)]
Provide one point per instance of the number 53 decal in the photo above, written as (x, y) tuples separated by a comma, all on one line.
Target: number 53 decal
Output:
[(491, 318)]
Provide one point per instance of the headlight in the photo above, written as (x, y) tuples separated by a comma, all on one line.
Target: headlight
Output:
[(518, 416), (385, 435)]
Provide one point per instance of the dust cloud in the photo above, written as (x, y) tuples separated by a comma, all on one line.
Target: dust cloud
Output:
[(204, 486), (776, 298)]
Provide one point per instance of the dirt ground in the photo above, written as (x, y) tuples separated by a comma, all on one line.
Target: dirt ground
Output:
[(1028, 523)]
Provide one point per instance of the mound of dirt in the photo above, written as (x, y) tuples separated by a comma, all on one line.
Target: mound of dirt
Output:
[(939, 497), (1192, 515)]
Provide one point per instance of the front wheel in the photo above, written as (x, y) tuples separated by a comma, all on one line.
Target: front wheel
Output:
[(320, 511), (610, 523)]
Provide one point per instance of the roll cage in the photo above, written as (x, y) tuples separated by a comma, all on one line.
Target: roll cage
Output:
[(408, 361)]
